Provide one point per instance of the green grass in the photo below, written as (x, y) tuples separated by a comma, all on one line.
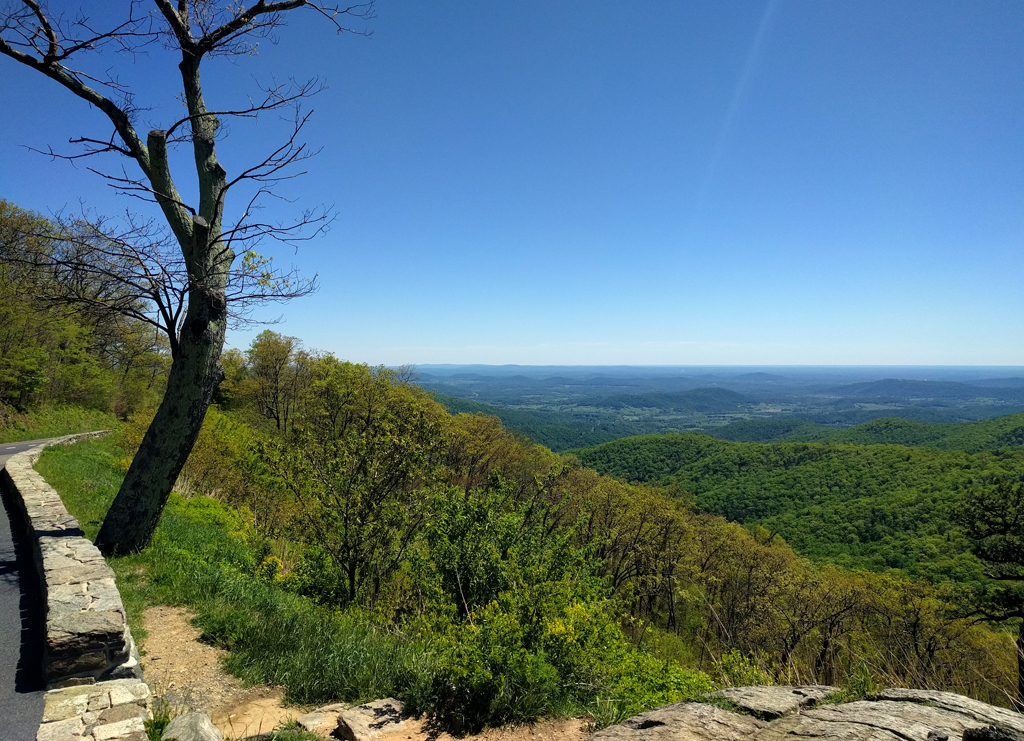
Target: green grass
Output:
[(47, 422)]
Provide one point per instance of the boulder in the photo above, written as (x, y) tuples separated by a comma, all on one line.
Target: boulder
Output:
[(192, 727), (322, 721), (368, 721)]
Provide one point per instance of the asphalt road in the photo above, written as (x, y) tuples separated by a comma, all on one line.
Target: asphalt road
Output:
[(22, 626)]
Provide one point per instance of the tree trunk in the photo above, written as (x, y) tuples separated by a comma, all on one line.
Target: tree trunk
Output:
[(195, 373)]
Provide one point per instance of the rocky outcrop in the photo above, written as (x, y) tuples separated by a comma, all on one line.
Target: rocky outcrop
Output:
[(684, 721), (87, 636), (796, 712)]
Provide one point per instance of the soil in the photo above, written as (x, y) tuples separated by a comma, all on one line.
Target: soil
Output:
[(186, 674)]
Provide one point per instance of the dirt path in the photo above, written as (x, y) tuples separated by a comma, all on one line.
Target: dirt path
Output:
[(187, 674)]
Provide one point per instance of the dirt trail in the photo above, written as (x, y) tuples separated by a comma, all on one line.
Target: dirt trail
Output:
[(187, 674)]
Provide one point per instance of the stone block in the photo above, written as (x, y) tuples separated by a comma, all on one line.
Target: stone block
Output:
[(80, 573), (87, 663), (122, 712), (64, 706), (123, 691), (109, 731), (65, 598), (60, 730), (73, 633)]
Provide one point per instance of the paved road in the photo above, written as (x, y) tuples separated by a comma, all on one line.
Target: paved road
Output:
[(22, 623)]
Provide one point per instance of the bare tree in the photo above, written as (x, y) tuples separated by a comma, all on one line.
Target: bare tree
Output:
[(193, 289)]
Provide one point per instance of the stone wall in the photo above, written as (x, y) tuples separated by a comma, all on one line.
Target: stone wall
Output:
[(87, 636), (95, 688)]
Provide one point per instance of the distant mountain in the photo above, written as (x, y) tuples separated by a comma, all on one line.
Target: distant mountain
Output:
[(1013, 382), (900, 388), (761, 376)]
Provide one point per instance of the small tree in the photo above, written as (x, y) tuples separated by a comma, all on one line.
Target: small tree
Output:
[(993, 519), (369, 444), (198, 281)]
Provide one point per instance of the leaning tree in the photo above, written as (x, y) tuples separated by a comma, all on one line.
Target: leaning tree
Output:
[(189, 289)]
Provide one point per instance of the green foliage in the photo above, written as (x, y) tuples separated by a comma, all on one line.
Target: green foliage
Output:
[(971, 437), (51, 421), (737, 670), (877, 507), (545, 589), (87, 358), (369, 444)]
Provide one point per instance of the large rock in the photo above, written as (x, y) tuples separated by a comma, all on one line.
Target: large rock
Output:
[(774, 702), (892, 715), (322, 721), (192, 727), (368, 721), (684, 721)]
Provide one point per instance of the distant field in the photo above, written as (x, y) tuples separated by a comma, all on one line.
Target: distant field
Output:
[(564, 408)]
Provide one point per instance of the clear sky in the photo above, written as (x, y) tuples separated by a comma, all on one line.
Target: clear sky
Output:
[(592, 182)]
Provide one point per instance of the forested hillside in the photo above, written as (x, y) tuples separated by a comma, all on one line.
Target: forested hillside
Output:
[(862, 506), (51, 355), (502, 581), (987, 434)]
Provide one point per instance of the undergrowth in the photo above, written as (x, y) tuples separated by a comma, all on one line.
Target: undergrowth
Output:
[(467, 675)]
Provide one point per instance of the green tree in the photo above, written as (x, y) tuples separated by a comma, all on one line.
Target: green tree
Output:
[(994, 521), (190, 283), (369, 447), (279, 373)]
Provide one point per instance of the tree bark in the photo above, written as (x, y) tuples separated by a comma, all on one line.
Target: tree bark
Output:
[(194, 375)]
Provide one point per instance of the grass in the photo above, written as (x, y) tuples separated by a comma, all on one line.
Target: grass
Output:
[(47, 422)]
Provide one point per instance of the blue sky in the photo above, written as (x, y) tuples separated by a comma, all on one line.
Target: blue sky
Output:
[(745, 183)]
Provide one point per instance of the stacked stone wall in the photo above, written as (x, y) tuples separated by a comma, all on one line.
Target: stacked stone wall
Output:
[(87, 637)]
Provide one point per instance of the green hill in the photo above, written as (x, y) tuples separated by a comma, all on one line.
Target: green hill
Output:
[(863, 506), (971, 437)]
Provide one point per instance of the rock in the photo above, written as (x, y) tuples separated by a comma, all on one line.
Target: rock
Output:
[(371, 720), (991, 733), (774, 702), (192, 727), (322, 721), (684, 721), (982, 712), (891, 715), (868, 720)]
